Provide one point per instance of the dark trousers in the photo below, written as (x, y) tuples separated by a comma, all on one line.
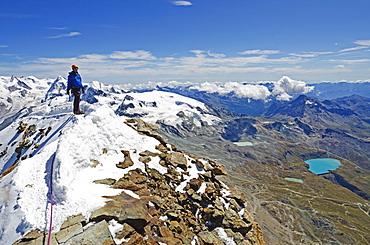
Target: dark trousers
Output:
[(77, 98)]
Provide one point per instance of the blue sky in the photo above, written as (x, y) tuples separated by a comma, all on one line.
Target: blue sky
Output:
[(135, 41)]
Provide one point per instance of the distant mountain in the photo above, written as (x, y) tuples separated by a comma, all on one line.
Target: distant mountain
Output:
[(316, 111), (331, 91), (230, 102), (255, 107), (356, 103)]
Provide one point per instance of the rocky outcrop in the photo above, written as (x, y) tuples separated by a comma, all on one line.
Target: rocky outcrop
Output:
[(72, 232), (176, 207)]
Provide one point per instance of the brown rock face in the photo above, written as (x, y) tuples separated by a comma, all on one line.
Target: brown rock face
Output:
[(127, 162), (195, 184), (177, 159), (165, 208)]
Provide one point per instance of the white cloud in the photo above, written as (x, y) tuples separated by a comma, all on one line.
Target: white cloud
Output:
[(310, 54), (363, 42), (71, 34), (284, 96), (57, 28), (138, 54), (204, 58), (4, 46), (182, 3), (258, 51), (240, 90), (350, 61), (93, 57), (201, 65), (352, 49), (286, 86), (216, 55)]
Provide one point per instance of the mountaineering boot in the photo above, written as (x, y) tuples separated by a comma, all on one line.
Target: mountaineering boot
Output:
[(78, 112)]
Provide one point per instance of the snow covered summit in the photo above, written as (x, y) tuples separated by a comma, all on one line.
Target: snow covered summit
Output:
[(109, 169)]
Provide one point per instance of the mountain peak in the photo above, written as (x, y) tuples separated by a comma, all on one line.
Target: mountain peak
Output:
[(111, 174)]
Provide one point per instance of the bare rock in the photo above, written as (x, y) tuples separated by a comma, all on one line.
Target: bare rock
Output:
[(234, 205), (162, 148), (125, 209), (137, 176), (30, 238), (155, 174), (145, 159), (195, 184), (41, 240), (126, 232), (210, 238), (127, 162), (233, 221), (95, 234), (148, 153), (73, 220), (177, 159), (219, 170), (127, 184), (65, 234), (137, 239), (143, 126), (108, 181)]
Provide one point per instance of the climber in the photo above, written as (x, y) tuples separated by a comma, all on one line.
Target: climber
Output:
[(75, 84)]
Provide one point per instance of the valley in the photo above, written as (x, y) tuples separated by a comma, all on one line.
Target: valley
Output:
[(321, 210)]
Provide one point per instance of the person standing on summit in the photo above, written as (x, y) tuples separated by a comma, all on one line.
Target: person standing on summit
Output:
[(75, 84)]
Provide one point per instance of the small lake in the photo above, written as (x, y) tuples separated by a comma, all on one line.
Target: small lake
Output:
[(294, 180), (322, 165), (243, 143)]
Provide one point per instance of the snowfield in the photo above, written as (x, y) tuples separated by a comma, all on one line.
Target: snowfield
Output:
[(75, 151)]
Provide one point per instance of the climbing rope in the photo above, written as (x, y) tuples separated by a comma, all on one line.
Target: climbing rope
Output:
[(51, 177), (51, 198)]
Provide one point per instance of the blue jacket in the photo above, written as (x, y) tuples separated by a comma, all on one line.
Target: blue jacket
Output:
[(74, 80)]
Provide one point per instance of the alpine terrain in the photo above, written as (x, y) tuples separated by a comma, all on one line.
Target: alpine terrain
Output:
[(104, 178), (182, 165)]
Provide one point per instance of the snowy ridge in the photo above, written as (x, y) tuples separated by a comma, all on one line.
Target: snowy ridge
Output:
[(157, 105), (17, 93), (76, 148), (81, 149)]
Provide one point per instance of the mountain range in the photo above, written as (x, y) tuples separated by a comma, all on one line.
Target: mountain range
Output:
[(206, 168)]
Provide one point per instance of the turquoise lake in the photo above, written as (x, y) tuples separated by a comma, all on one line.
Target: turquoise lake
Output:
[(322, 165)]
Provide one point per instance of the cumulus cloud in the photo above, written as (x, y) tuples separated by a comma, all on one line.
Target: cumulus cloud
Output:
[(284, 97), (240, 90), (283, 89), (182, 3), (71, 34), (258, 51), (287, 86)]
